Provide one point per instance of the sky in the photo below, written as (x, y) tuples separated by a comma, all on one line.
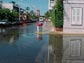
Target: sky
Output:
[(42, 5)]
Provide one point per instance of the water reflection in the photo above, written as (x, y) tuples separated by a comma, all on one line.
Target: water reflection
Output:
[(20, 45), (66, 49), (39, 36), (8, 34)]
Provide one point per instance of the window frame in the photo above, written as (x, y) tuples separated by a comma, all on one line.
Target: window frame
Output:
[(81, 19)]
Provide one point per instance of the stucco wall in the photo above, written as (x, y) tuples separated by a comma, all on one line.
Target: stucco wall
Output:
[(8, 6), (68, 27)]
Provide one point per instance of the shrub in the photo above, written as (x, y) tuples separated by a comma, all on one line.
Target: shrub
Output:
[(57, 14)]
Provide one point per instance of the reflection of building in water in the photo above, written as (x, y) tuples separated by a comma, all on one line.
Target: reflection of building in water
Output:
[(66, 49), (73, 16), (73, 49), (55, 49)]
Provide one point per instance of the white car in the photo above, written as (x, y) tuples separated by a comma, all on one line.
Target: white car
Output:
[(4, 21), (41, 19)]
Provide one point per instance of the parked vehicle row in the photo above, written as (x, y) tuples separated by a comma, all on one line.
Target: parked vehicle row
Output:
[(6, 22)]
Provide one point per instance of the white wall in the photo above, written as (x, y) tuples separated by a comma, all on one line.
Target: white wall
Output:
[(7, 5), (50, 4), (68, 5)]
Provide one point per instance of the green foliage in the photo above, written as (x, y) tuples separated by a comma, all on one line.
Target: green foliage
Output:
[(4, 13), (13, 16), (57, 17), (53, 17), (47, 14), (59, 13), (7, 14)]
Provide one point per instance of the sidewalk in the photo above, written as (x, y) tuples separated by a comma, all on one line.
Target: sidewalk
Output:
[(47, 27)]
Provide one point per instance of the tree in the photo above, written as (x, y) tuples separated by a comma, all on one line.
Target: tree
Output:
[(7, 14), (27, 8), (59, 13), (14, 15), (4, 13), (47, 14), (13, 2)]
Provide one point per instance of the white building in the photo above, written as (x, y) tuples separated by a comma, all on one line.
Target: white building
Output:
[(51, 3), (7, 5), (73, 16)]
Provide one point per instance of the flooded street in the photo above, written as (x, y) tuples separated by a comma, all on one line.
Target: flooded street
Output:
[(21, 44), (66, 49)]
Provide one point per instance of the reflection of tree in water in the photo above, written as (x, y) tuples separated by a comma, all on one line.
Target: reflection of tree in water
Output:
[(56, 41), (9, 35)]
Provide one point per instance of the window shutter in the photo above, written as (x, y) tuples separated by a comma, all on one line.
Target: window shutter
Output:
[(76, 16)]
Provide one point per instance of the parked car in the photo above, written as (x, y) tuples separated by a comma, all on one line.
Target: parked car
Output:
[(34, 20), (3, 22)]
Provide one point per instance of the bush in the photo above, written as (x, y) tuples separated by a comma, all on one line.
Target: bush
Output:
[(13, 16), (4, 13), (53, 17), (57, 14), (7, 14)]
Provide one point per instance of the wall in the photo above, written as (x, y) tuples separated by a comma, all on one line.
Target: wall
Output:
[(51, 3), (7, 5), (68, 27)]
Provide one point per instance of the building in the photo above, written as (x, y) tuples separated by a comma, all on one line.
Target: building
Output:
[(38, 12), (73, 16), (7, 5), (10, 6), (51, 3)]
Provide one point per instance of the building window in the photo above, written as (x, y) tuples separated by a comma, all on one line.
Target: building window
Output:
[(51, 3), (76, 16)]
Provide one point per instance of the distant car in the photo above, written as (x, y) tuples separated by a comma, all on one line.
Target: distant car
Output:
[(41, 19), (3, 22), (34, 20)]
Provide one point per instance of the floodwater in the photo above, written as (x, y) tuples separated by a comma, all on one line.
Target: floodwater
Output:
[(21, 44), (66, 49)]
